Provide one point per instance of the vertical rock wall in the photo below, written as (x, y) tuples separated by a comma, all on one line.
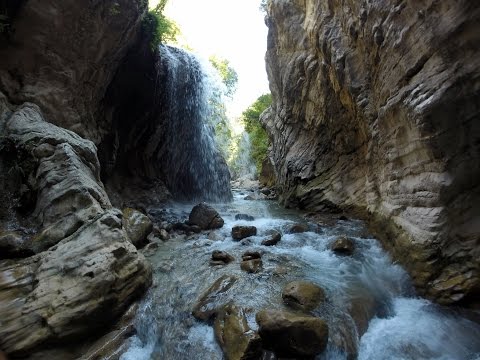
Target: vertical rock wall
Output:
[(376, 108)]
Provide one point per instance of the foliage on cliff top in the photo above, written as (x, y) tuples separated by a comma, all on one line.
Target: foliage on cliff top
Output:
[(160, 28), (258, 136)]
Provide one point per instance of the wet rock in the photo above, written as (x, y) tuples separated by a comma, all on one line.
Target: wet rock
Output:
[(292, 335), (250, 255), (362, 309), (13, 245), (246, 242), (137, 226), (237, 340), (244, 217), (297, 228), (206, 306), (266, 191), (221, 258), (163, 235), (343, 245), (251, 266), (273, 237), (206, 217), (240, 232), (302, 295)]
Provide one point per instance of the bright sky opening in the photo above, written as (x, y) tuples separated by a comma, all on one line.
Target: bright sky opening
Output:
[(232, 29)]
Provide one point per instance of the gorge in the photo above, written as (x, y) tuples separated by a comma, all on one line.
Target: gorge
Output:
[(105, 142)]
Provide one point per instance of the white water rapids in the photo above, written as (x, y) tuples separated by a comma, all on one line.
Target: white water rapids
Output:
[(404, 326)]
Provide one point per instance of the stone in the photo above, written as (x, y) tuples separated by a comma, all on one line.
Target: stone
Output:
[(291, 335), (163, 234), (206, 217), (244, 217), (251, 266), (250, 255), (303, 295), (137, 225), (267, 175), (206, 306), (273, 237), (343, 245), (222, 257), (297, 228), (375, 134), (237, 340), (14, 245), (240, 232), (64, 292)]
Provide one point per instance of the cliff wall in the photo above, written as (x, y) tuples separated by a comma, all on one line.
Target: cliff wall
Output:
[(376, 108)]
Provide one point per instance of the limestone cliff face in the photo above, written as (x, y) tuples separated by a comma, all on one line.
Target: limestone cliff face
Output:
[(376, 108), (62, 55)]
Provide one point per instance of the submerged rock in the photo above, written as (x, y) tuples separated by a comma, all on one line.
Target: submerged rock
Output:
[(273, 237), (137, 225), (343, 245), (291, 335), (303, 295), (244, 217), (237, 340), (251, 266), (206, 217), (206, 306), (240, 232)]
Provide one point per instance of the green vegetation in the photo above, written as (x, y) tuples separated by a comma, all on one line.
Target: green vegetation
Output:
[(227, 73), (160, 28), (258, 136)]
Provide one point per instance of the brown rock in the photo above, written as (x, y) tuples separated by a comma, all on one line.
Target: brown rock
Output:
[(297, 228), (222, 256), (206, 305), (272, 239), (235, 337), (245, 217), (291, 335), (206, 217), (362, 118), (251, 266), (240, 232), (250, 255), (303, 295), (343, 245)]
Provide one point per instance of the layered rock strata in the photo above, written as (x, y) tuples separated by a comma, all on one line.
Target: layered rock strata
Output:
[(81, 270), (376, 109)]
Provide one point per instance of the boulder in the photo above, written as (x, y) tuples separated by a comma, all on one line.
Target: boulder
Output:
[(137, 225), (250, 255), (237, 340), (291, 335), (221, 258), (343, 245), (206, 305), (13, 245), (80, 285), (302, 295), (240, 232), (273, 237), (297, 228), (244, 217), (206, 217), (251, 266)]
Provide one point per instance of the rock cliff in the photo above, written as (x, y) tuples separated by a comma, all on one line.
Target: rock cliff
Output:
[(376, 109)]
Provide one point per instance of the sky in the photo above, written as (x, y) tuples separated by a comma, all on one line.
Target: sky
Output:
[(232, 29)]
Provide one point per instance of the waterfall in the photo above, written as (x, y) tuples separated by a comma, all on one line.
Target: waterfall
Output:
[(194, 168)]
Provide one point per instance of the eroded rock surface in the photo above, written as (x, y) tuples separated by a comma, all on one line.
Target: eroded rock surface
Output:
[(376, 109)]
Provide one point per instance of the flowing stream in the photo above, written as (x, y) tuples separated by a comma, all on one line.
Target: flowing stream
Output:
[(401, 325)]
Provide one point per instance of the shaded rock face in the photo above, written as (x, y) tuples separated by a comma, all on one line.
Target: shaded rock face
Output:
[(206, 217), (375, 109), (62, 55), (169, 138), (85, 271)]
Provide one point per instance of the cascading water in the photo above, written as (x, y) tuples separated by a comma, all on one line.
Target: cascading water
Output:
[(194, 167), (400, 325)]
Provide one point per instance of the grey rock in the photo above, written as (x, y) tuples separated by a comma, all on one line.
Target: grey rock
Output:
[(240, 232), (206, 217)]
